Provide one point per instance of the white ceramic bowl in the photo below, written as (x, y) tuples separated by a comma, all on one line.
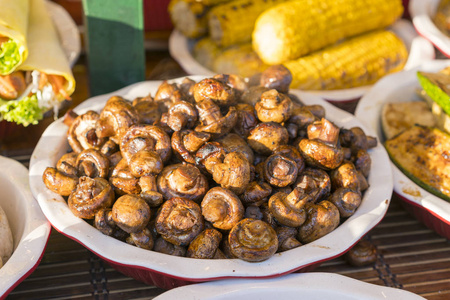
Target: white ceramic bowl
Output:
[(168, 271), (422, 13), (419, 49), (29, 227), (311, 286), (431, 210)]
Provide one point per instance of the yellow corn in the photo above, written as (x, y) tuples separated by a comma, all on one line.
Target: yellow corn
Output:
[(190, 16), (232, 23), (240, 60), (359, 61), (205, 51), (296, 28)]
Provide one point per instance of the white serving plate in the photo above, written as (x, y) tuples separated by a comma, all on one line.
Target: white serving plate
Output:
[(311, 286), (146, 265), (422, 13), (419, 49), (29, 227), (67, 30), (401, 87)]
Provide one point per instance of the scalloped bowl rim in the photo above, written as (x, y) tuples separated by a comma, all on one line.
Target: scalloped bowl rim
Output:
[(421, 12), (372, 210), (30, 228), (369, 109), (420, 50)]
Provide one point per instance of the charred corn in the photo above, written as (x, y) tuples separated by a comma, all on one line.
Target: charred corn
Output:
[(190, 16), (359, 61), (296, 28), (205, 51), (232, 23), (240, 60)]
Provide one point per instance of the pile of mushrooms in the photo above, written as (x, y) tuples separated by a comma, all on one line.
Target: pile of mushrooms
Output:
[(221, 168)]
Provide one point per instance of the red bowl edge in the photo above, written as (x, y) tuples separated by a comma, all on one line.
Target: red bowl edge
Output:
[(427, 217)]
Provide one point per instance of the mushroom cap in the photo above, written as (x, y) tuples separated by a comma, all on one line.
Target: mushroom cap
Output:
[(273, 107), (131, 213), (205, 244), (266, 137)]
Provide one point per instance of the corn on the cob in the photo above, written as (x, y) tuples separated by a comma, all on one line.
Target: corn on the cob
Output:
[(240, 60), (359, 61), (190, 16), (232, 23), (205, 51), (290, 30)]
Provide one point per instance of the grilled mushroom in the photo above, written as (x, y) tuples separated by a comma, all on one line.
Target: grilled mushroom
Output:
[(322, 218), (234, 173), (145, 137), (222, 208), (281, 168), (148, 110), (115, 118), (287, 238), (82, 132), (163, 246), (186, 142), (131, 213), (92, 163), (289, 208), (209, 155), (59, 182), (182, 180), (273, 107), (234, 143), (363, 253), (276, 77), (253, 240), (91, 195), (246, 119), (123, 181), (345, 176), (179, 221), (216, 90), (142, 239), (67, 164), (256, 193), (266, 137), (315, 182), (180, 115), (346, 201), (212, 120), (205, 244)]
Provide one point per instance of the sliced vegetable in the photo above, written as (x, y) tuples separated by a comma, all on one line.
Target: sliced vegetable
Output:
[(423, 155), (437, 87)]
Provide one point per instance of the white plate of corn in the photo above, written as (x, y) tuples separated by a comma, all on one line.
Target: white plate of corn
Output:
[(339, 58)]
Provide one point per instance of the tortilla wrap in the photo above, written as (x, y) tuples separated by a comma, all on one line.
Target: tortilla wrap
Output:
[(13, 25), (6, 239), (45, 52)]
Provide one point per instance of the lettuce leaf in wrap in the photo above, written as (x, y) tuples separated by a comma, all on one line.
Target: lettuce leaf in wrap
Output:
[(25, 112), (10, 56)]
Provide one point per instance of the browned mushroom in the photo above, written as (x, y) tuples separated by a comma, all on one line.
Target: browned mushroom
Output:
[(145, 162), (186, 142), (82, 132), (163, 246), (104, 222), (168, 93), (222, 208), (256, 193), (179, 221), (315, 182), (187, 89), (92, 163), (273, 107), (345, 176), (322, 218), (90, 195), (149, 191), (363, 253), (123, 181), (147, 109), (67, 164), (59, 182), (212, 120), (287, 238), (205, 244), (109, 148), (234, 143), (346, 201), (181, 114), (276, 77), (363, 162), (281, 168), (234, 173), (145, 137), (266, 137), (182, 180), (301, 116), (356, 139), (324, 131), (209, 155), (142, 239), (246, 119), (131, 213), (253, 240), (289, 208), (115, 118), (321, 155), (216, 90), (253, 212)]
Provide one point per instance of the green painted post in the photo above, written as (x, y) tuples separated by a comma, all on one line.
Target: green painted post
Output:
[(114, 38)]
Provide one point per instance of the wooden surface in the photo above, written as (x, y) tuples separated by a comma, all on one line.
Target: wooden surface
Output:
[(410, 256)]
